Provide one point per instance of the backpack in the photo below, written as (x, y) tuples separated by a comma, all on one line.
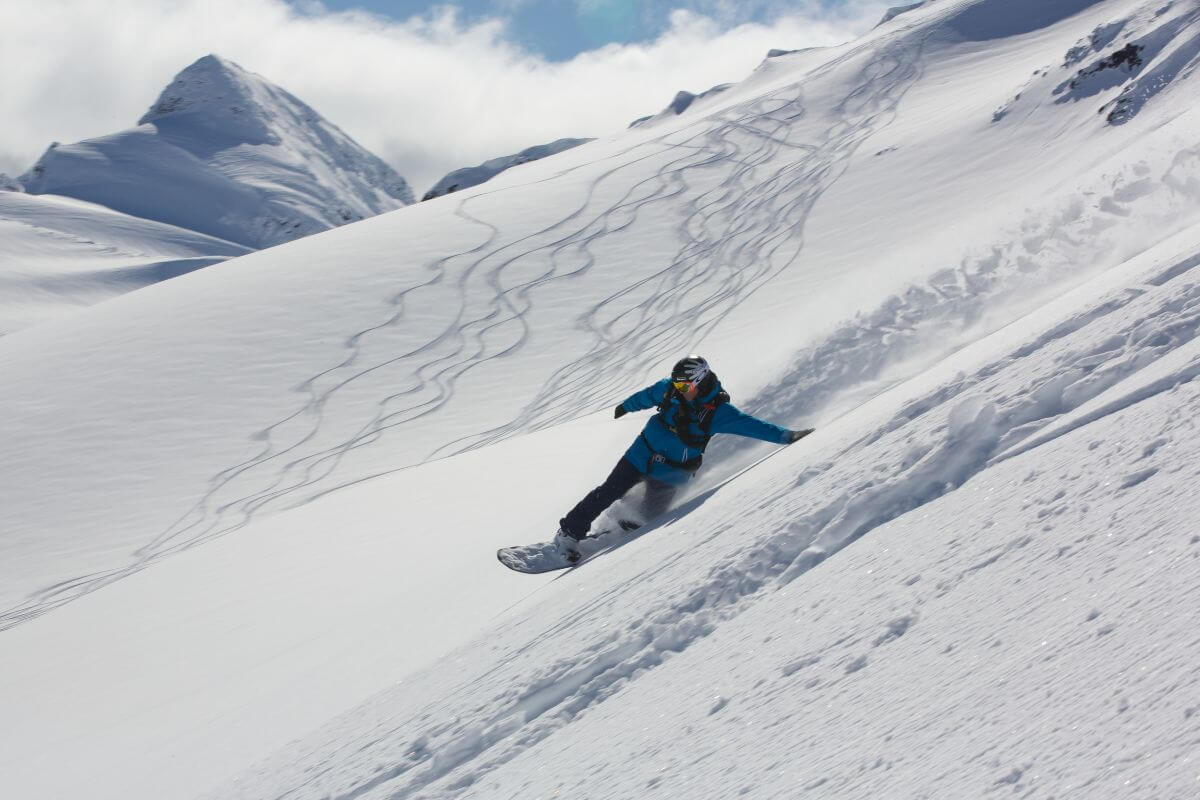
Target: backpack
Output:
[(703, 417)]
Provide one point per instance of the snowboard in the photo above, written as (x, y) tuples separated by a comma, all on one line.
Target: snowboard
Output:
[(534, 559)]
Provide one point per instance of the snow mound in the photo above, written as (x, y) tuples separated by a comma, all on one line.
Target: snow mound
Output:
[(472, 176), (58, 255), (684, 100), (226, 153), (984, 21), (896, 11)]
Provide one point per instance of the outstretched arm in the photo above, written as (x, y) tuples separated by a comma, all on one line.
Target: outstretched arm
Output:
[(730, 419), (646, 398)]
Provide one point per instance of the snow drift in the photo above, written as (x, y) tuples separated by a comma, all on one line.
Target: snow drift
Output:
[(472, 176), (58, 255)]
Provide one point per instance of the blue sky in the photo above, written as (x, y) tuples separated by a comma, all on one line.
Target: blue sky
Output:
[(560, 29)]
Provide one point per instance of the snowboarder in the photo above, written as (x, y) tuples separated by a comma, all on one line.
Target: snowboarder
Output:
[(692, 407)]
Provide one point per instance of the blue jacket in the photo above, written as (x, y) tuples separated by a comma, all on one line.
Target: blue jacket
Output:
[(659, 437)]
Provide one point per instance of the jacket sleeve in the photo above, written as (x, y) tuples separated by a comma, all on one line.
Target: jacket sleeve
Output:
[(649, 397), (730, 419)]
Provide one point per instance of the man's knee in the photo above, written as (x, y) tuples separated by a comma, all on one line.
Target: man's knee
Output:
[(623, 477)]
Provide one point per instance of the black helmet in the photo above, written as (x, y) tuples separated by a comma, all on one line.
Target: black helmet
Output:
[(692, 369)]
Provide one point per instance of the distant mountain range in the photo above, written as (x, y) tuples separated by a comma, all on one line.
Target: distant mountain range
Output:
[(224, 162), (226, 153)]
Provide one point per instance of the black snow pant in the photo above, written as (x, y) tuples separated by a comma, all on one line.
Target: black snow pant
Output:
[(623, 478)]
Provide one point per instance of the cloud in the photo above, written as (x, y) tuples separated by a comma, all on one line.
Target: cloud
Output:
[(428, 95)]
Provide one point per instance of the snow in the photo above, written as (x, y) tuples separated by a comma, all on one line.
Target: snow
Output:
[(683, 99), (1141, 53), (896, 11), (473, 176), (58, 255), (226, 153), (250, 514)]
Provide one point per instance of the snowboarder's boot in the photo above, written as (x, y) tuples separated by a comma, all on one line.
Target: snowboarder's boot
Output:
[(568, 546)]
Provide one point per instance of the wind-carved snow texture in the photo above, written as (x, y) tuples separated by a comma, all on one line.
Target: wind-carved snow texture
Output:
[(735, 237), (86, 254), (1144, 53), (896, 11), (534, 687)]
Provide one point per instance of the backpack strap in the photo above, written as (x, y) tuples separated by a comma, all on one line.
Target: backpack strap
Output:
[(707, 412), (703, 418), (669, 395)]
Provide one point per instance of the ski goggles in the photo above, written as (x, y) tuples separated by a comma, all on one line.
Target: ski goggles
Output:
[(683, 386)]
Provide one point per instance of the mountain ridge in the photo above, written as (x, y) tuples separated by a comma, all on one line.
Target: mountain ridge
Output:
[(224, 152)]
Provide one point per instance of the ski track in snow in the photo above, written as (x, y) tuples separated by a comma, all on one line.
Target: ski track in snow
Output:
[(735, 238), (1078, 371), (447, 746)]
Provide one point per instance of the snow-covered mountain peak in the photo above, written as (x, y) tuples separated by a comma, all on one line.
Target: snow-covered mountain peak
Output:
[(218, 94), (225, 152)]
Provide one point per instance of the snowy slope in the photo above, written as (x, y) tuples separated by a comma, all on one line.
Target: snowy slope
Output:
[(466, 177), (896, 11), (1010, 621), (290, 471), (58, 255), (684, 99), (226, 153)]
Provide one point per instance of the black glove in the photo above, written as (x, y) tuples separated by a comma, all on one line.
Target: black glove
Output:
[(620, 412), (795, 436)]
